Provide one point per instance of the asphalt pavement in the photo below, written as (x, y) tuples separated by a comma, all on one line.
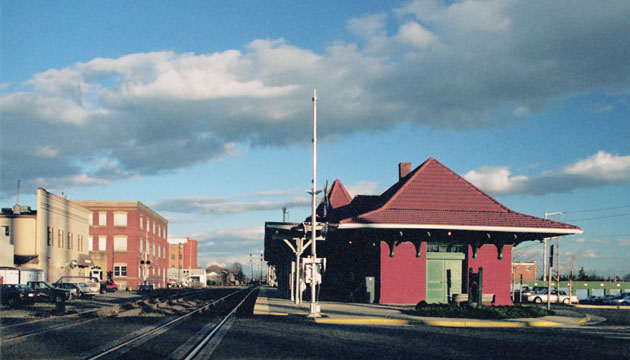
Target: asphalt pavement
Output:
[(270, 303)]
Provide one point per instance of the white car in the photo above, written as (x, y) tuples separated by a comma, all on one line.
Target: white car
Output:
[(541, 297)]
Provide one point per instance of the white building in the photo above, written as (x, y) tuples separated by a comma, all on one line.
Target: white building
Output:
[(52, 238)]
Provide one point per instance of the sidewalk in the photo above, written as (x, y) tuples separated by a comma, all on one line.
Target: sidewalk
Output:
[(269, 303)]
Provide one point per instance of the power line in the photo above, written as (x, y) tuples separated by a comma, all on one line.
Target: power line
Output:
[(599, 209), (600, 217)]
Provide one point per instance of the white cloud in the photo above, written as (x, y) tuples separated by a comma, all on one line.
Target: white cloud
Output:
[(414, 34), (363, 188), (599, 169), (226, 205), (481, 64), (602, 166)]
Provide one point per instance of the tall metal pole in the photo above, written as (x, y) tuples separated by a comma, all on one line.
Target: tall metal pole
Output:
[(314, 309)]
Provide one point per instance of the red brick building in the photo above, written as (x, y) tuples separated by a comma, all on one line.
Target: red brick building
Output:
[(182, 253), (128, 239), (526, 269), (426, 238)]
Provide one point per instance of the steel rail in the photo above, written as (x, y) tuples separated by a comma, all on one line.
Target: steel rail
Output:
[(137, 338), (191, 355), (81, 317)]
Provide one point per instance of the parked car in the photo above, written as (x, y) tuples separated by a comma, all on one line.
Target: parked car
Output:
[(84, 289), (618, 299), (47, 292), (541, 297), (75, 292), (15, 295), (108, 286), (91, 281), (593, 299)]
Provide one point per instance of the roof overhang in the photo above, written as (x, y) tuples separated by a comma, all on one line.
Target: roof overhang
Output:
[(550, 231)]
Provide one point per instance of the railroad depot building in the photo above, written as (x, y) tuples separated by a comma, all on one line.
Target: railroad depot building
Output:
[(424, 239), (130, 240)]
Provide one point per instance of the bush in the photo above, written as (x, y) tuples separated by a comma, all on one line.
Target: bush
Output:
[(485, 312)]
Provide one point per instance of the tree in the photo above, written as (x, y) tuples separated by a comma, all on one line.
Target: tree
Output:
[(237, 270), (626, 277), (582, 275)]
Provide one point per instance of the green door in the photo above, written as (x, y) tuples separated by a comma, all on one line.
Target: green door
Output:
[(453, 270), (444, 276), (436, 289)]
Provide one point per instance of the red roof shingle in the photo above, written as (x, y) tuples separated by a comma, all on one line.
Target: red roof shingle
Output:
[(432, 194)]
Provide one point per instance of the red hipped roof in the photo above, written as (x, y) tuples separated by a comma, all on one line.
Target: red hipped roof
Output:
[(433, 196)]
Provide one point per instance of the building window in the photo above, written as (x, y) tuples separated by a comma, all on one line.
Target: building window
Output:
[(80, 242), (91, 218), (70, 240), (154, 228), (173, 257), (90, 243), (141, 245), (102, 243), (172, 246), (120, 243), (141, 222), (60, 239), (102, 218), (446, 247), (173, 266), (120, 219), (120, 269), (51, 236), (153, 249), (529, 268)]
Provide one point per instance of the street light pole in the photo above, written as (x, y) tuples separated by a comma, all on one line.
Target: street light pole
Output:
[(314, 309)]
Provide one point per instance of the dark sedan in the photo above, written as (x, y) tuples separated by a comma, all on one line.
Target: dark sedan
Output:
[(17, 295)]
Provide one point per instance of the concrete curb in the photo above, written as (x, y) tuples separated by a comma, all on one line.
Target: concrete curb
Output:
[(444, 323)]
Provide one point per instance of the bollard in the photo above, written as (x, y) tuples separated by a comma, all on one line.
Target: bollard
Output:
[(60, 306)]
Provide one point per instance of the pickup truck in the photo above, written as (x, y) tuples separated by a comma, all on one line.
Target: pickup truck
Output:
[(541, 297), (48, 292)]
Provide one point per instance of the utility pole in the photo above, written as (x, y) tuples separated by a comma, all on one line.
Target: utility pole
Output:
[(251, 265), (545, 247)]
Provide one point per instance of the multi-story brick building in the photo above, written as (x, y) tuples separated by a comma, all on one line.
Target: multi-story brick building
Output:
[(526, 269), (182, 254), (128, 239)]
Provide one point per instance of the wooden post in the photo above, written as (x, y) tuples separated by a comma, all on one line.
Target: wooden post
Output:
[(470, 298), (480, 292)]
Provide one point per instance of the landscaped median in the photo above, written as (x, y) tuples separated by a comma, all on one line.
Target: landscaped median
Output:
[(461, 316)]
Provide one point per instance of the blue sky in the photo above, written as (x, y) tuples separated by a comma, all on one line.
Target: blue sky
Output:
[(202, 109)]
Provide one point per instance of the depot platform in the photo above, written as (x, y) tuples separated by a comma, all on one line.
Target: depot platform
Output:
[(270, 303)]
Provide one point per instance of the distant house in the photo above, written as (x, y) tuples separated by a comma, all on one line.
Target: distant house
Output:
[(423, 239)]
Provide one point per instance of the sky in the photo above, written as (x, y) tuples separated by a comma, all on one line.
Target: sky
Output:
[(202, 110)]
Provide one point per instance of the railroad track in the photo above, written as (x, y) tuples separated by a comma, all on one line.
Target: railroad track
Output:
[(188, 336), (40, 326)]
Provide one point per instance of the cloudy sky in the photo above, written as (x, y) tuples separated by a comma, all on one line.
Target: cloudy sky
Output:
[(202, 109)]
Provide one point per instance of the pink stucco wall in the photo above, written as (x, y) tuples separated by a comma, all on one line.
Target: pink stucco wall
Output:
[(496, 273), (403, 276)]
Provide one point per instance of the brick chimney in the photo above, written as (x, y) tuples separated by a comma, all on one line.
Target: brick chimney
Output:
[(404, 168)]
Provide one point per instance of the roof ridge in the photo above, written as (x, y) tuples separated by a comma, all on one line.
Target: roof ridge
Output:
[(469, 184), (396, 192)]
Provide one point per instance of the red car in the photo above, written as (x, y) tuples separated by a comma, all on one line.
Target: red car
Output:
[(108, 286)]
